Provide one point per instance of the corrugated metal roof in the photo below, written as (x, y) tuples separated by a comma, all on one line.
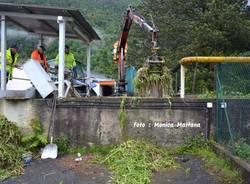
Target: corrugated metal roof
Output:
[(43, 20)]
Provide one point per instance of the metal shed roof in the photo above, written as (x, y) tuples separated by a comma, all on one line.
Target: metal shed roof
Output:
[(43, 20)]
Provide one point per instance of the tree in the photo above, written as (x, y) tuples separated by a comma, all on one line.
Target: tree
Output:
[(190, 28)]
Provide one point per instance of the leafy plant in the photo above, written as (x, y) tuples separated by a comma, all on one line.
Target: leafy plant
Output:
[(242, 149), (207, 95), (192, 144), (36, 139), (63, 144)]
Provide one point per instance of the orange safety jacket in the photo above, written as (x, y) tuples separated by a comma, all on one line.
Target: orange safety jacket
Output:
[(42, 61)]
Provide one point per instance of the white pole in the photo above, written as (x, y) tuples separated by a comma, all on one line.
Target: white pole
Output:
[(182, 90), (88, 60), (88, 67), (3, 53), (61, 23)]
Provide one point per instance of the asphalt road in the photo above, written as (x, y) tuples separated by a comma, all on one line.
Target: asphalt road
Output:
[(65, 170)]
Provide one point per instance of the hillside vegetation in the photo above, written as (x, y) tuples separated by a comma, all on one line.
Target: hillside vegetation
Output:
[(187, 28)]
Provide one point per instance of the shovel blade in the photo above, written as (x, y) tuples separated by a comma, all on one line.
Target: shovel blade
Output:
[(50, 151)]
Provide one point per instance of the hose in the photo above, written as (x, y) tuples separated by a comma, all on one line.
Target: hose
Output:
[(52, 115)]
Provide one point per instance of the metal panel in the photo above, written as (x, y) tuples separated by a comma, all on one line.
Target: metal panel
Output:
[(130, 76), (39, 78), (29, 18)]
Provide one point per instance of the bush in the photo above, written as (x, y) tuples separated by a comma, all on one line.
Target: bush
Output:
[(193, 144), (242, 150), (63, 144), (36, 139)]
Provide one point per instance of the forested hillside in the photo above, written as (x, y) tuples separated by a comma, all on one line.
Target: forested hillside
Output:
[(187, 28)]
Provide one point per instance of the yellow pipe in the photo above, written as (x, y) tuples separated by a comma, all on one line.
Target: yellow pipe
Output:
[(199, 59)]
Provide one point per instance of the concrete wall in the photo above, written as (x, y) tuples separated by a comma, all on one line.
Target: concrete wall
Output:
[(23, 111), (96, 120)]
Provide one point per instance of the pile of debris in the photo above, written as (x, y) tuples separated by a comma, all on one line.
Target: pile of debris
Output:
[(11, 150)]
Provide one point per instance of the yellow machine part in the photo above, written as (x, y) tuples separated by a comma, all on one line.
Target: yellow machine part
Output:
[(115, 50), (200, 59)]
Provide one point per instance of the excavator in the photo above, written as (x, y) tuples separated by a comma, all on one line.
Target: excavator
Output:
[(120, 46)]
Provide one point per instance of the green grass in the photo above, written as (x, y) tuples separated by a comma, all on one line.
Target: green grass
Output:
[(215, 165), (219, 167)]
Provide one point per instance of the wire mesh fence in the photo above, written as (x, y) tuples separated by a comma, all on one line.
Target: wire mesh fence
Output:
[(233, 107)]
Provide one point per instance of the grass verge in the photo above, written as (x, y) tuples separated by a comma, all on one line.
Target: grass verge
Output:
[(219, 167)]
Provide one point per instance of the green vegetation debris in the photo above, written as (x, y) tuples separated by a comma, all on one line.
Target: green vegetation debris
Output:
[(11, 150), (134, 161), (154, 84), (9, 132)]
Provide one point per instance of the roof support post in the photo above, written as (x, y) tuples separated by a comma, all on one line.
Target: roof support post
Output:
[(88, 66), (182, 90), (3, 53), (88, 60), (61, 23), (41, 41)]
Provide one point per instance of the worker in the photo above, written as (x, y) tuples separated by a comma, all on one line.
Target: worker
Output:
[(12, 57), (69, 59), (39, 56)]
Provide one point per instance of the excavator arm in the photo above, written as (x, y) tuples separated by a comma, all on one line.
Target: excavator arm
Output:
[(120, 47)]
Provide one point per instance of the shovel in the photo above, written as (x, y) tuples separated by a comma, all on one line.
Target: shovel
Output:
[(50, 150)]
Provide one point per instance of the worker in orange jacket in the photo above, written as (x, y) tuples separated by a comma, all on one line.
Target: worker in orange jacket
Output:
[(40, 57)]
